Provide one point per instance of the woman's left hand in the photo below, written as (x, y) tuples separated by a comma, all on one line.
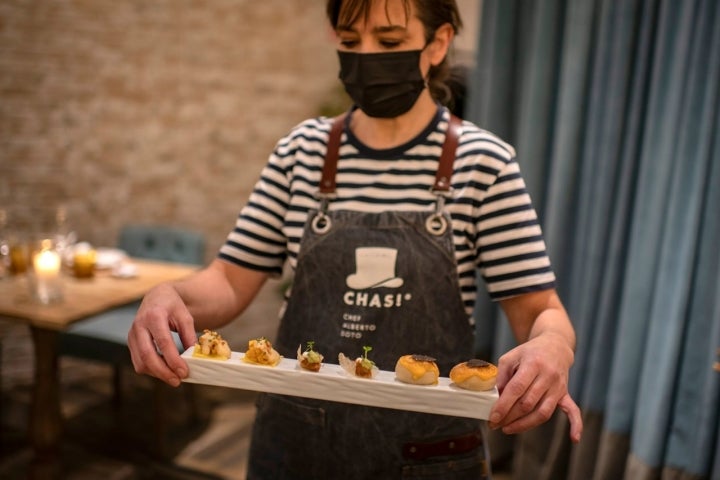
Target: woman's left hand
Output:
[(532, 380), (533, 377)]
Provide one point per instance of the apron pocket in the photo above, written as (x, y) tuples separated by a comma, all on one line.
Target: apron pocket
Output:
[(290, 408), (285, 434), (469, 466)]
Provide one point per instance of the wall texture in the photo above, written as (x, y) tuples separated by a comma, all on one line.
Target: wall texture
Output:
[(158, 111)]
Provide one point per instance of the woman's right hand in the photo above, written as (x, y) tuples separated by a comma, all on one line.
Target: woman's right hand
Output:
[(152, 348), (210, 298)]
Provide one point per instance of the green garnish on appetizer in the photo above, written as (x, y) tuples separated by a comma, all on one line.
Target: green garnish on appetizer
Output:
[(361, 367), (309, 359), (365, 361)]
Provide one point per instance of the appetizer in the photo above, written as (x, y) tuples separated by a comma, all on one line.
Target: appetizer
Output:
[(212, 345), (309, 359), (361, 367), (474, 375), (417, 370), (261, 352)]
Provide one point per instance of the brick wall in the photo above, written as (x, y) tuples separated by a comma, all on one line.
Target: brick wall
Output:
[(155, 111), (152, 111)]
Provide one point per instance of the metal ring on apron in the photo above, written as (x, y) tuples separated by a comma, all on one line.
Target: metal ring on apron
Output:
[(436, 224), (321, 224)]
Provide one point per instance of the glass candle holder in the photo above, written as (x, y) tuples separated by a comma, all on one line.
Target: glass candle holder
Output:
[(84, 263), (19, 256), (44, 279)]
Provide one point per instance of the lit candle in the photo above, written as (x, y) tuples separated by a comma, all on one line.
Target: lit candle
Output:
[(47, 264), (45, 281)]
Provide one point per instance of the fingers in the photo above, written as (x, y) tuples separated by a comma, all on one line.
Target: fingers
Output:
[(507, 365), (544, 412), (185, 326), (520, 390), (519, 409), (571, 409), (167, 353), (526, 401), (530, 394), (518, 423), (145, 357), (152, 347)]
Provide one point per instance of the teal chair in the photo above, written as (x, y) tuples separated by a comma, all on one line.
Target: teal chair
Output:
[(103, 337)]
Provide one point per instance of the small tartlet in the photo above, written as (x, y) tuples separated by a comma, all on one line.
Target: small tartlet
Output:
[(261, 352), (417, 370), (310, 359), (211, 345), (361, 367), (474, 374)]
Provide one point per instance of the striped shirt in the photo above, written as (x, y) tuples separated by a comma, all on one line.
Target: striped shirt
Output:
[(495, 227)]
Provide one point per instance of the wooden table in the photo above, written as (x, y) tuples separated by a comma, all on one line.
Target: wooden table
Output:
[(82, 298)]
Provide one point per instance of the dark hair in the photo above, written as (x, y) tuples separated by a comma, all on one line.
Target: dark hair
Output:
[(432, 14)]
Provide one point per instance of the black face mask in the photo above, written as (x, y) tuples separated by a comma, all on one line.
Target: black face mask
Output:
[(383, 85)]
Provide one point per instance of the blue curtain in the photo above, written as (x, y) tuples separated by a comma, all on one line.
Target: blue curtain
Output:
[(614, 108)]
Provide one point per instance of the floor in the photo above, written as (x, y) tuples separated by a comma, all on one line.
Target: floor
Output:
[(209, 441)]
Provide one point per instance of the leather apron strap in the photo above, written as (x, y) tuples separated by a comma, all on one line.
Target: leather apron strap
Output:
[(442, 176), (447, 158), (327, 182)]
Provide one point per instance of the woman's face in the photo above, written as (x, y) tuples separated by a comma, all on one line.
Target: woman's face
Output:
[(388, 28)]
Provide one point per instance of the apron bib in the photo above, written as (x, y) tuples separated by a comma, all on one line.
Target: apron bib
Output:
[(386, 280)]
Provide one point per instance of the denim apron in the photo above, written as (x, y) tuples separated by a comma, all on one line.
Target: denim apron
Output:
[(386, 280)]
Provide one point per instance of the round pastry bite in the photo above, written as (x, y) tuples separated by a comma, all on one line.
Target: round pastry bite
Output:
[(211, 345), (417, 370), (474, 375), (309, 359), (261, 352), (361, 367)]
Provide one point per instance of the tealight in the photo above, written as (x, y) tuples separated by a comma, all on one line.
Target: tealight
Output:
[(45, 284)]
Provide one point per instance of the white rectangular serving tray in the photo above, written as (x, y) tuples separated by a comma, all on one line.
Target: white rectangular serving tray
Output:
[(333, 383)]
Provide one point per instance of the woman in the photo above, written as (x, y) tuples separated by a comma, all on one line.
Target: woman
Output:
[(384, 232)]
